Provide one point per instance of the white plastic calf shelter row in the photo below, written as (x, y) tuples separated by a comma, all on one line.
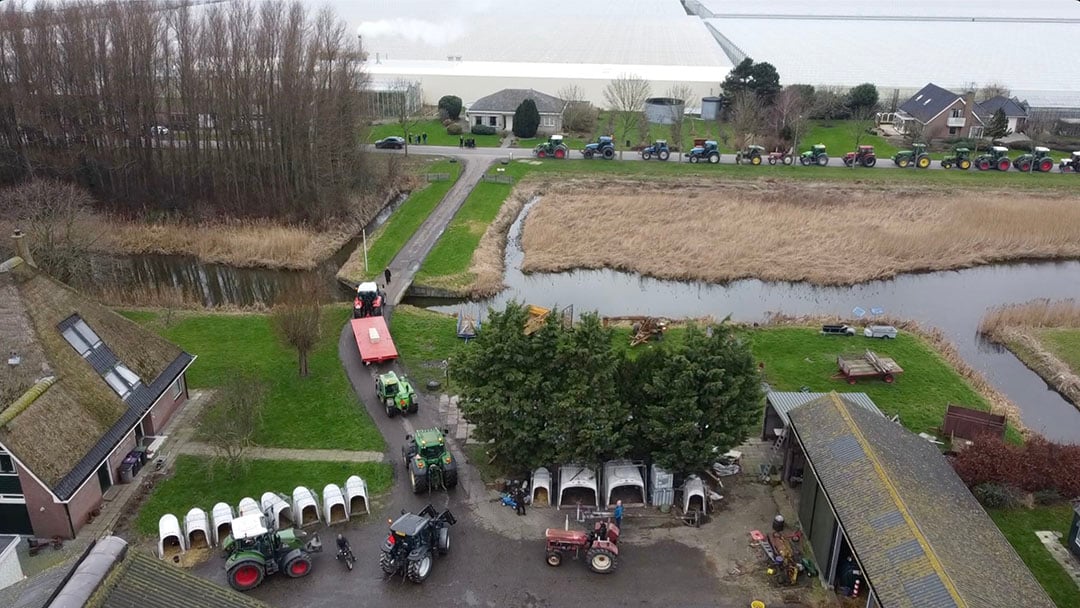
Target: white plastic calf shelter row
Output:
[(305, 507), (356, 495), (541, 488), (274, 504), (623, 480), (334, 506), (577, 485), (221, 517), (197, 529), (171, 543), (248, 506)]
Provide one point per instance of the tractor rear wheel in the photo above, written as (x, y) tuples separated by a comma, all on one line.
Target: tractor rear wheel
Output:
[(601, 561), (554, 558), (787, 160), (418, 483), (663, 155), (560, 153), (822, 160), (869, 161), (246, 575), (1046, 165), (756, 160), (609, 153), (298, 566), (391, 411), (965, 164), (714, 158), (1003, 164), (923, 162), (419, 569), (387, 563)]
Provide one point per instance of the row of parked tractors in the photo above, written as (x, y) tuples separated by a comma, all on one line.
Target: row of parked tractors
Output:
[(706, 150)]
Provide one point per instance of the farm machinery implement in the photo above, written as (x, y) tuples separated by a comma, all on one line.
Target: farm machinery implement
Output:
[(602, 147), (414, 542), (915, 157), (429, 463), (255, 550), (552, 148), (863, 157), (1038, 160)]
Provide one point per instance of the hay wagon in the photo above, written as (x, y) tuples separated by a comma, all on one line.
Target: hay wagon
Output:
[(867, 365)]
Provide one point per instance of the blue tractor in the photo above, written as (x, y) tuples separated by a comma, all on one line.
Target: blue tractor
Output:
[(708, 150), (659, 150), (602, 147)]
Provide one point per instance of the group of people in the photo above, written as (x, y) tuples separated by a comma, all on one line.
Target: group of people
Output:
[(418, 139), (464, 142)]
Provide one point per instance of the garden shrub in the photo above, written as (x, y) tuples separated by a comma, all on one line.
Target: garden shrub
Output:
[(454, 128), (1036, 466), (995, 496), (483, 130)]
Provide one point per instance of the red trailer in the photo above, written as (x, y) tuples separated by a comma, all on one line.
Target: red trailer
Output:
[(373, 339)]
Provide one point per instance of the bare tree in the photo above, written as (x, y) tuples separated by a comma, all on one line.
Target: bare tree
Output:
[(685, 93), (406, 106), (626, 97), (787, 116), (914, 133), (747, 118), (55, 216), (233, 417), (298, 321), (989, 91), (859, 126), (580, 115)]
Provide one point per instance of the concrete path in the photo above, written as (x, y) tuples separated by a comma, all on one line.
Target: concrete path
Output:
[(197, 448)]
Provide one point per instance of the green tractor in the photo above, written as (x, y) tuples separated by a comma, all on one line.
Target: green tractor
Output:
[(552, 148), (1039, 160), (915, 157), (997, 158), (255, 550), (396, 394), (752, 155), (961, 159), (428, 462), (814, 156)]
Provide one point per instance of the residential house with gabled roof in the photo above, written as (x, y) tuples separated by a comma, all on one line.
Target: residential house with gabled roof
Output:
[(81, 388), (937, 113), (497, 110), (882, 505), (1015, 111)]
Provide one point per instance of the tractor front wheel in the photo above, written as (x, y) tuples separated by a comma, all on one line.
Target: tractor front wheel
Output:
[(903, 162), (560, 153), (984, 165), (1024, 166), (772, 160), (945, 164), (601, 561), (645, 155), (444, 541), (419, 569), (554, 558), (391, 411), (804, 161), (693, 159), (587, 154), (298, 566), (541, 154), (246, 575)]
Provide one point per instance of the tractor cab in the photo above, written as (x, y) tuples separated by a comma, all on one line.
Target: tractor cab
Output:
[(368, 301), (603, 139), (999, 152), (962, 153), (918, 148), (408, 526), (1041, 152), (1071, 164), (555, 140)]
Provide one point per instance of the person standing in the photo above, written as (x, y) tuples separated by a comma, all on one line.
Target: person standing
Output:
[(519, 499), (461, 141), (386, 275), (618, 514), (424, 135)]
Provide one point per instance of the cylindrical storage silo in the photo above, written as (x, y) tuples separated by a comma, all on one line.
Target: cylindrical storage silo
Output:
[(710, 107), (663, 110)]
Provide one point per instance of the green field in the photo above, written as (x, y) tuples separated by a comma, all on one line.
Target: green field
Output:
[(385, 243), (320, 411), (195, 483), (424, 340), (1019, 527), (1064, 343), (436, 134)]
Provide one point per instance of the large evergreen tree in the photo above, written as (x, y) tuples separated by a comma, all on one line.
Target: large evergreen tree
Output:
[(450, 105), (761, 79), (999, 125), (862, 98), (526, 119)]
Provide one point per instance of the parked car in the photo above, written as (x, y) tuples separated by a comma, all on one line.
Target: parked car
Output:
[(159, 130), (393, 141), (880, 331)]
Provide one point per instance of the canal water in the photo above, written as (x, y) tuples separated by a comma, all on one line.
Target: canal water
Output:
[(953, 301)]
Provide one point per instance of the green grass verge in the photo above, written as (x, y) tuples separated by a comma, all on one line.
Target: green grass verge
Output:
[(447, 266), (436, 134), (1019, 527), (320, 411), (195, 483), (424, 340), (1064, 343), (489, 471), (392, 236)]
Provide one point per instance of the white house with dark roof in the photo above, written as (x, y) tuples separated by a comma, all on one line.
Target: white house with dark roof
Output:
[(1015, 111), (83, 386), (497, 110)]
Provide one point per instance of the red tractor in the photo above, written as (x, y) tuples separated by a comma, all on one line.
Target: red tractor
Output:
[(600, 546), (864, 156)]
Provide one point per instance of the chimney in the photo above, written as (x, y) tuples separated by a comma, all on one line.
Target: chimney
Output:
[(22, 248)]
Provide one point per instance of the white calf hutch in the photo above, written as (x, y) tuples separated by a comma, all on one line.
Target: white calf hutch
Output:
[(171, 542), (356, 495), (197, 529), (277, 509), (221, 517), (541, 487), (577, 486), (335, 508), (624, 480), (248, 506), (305, 507)]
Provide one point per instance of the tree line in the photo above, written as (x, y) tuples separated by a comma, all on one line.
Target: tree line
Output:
[(245, 109), (571, 395)]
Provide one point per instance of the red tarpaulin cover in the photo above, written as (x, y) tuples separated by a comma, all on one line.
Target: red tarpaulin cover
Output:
[(374, 352)]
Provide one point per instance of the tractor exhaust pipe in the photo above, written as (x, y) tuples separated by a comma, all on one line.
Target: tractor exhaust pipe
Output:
[(566, 526)]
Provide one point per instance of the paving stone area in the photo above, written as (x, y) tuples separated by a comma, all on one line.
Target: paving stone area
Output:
[(1052, 542)]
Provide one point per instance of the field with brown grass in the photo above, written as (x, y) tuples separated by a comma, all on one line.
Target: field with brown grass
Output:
[(824, 233)]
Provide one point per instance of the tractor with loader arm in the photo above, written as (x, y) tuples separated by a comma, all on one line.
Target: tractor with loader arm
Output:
[(961, 159), (915, 157), (707, 150), (996, 158), (1038, 160), (429, 463), (603, 147), (751, 155), (396, 394), (863, 157), (658, 150), (599, 546), (1071, 164), (415, 540), (552, 148), (814, 156), (255, 550)]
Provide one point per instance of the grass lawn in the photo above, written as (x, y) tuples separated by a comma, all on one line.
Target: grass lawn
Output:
[(392, 236), (448, 263), (436, 134), (195, 483), (795, 357), (1019, 527), (424, 339), (839, 138), (320, 411), (1064, 343)]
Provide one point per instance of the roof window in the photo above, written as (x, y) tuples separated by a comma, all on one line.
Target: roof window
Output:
[(81, 337), (122, 380)]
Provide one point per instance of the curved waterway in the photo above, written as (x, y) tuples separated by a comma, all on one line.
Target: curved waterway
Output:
[(953, 301)]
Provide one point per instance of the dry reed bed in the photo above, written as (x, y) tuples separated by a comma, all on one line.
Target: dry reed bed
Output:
[(1015, 327), (821, 233), (487, 266), (999, 403)]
